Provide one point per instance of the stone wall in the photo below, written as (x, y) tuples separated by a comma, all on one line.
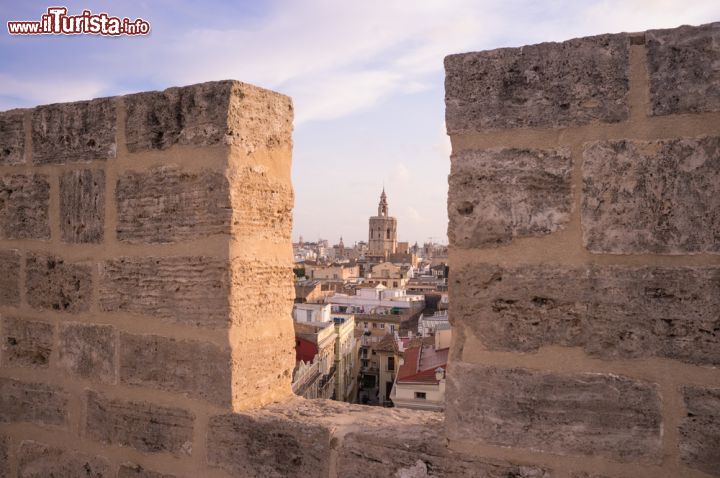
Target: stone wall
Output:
[(146, 284), (584, 211), (145, 277)]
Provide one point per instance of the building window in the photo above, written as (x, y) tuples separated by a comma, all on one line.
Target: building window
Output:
[(420, 396), (391, 364), (382, 326), (392, 328), (366, 325), (374, 325)]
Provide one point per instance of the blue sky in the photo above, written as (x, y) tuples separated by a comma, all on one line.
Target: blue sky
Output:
[(366, 78)]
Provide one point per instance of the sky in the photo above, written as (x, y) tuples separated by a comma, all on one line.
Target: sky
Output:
[(366, 78)]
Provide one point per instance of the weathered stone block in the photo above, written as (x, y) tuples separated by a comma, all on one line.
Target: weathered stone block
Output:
[(199, 370), (261, 205), (82, 206), (681, 80), (610, 311), (700, 430), (26, 343), (191, 290), (549, 85), (87, 351), (419, 451), (262, 296), (222, 112), (130, 470), (144, 426), (4, 456), (192, 115), (652, 196), (168, 205), (585, 414), (265, 446), (32, 402), (55, 285), (259, 119), (24, 202), (368, 441), (497, 195), (270, 286), (12, 137), (10, 278), (81, 131), (36, 460)]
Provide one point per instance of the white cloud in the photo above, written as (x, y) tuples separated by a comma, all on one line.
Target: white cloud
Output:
[(340, 94), (401, 174), (32, 91), (443, 146), (339, 57), (413, 214)]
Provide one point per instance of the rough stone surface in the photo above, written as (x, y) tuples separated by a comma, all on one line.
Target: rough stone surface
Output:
[(53, 284), (131, 470), (82, 131), (24, 202), (610, 311), (270, 287), (190, 290), (548, 85), (261, 205), (87, 351), (259, 119), (369, 441), (245, 445), (36, 460), (199, 370), (82, 206), (700, 430), (681, 64), (585, 414), (419, 451), (497, 195), (10, 278), (168, 204), (652, 196), (269, 284), (32, 402), (192, 115), (26, 343), (12, 137), (4, 456), (144, 426)]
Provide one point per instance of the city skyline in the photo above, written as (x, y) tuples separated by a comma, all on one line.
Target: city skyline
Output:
[(350, 241)]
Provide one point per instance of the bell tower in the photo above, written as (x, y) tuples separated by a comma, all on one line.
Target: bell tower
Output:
[(382, 234)]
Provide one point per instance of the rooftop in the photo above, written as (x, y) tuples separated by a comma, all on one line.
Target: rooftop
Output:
[(420, 364)]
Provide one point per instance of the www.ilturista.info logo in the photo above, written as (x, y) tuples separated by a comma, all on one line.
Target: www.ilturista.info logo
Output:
[(57, 22)]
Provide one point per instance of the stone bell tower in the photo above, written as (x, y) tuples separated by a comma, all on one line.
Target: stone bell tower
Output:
[(382, 235)]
